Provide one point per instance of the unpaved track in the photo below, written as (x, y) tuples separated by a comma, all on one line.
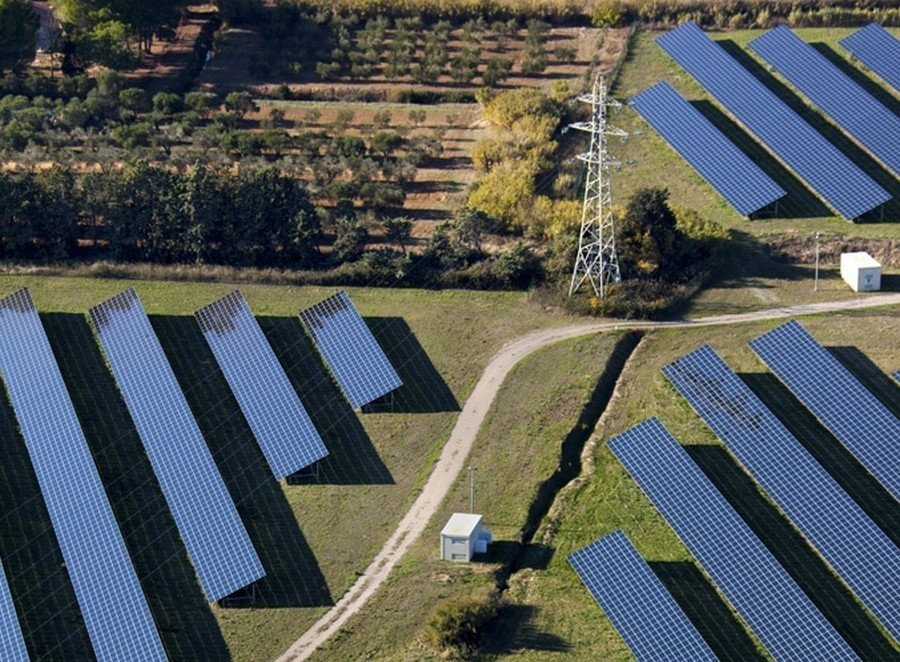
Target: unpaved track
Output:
[(455, 451)]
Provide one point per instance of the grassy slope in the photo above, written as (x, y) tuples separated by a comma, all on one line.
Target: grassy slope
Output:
[(312, 537), (517, 448), (610, 499)]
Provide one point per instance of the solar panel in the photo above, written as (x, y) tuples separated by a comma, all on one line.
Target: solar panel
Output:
[(897, 376), (115, 611), (282, 427), (725, 167), (207, 519), (856, 417), (844, 535), (837, 95), (760, 590), (827, 171), (636, 602), (357, 362), (12, 645), (878, 49)]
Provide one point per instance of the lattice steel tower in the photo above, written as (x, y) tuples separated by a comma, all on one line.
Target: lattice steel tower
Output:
[(597, 260)]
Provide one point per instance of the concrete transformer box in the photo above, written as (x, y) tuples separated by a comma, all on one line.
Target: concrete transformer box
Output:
[(861, 272)]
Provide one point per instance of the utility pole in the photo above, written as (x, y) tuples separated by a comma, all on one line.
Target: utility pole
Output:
[(472, 471), (597, 261)]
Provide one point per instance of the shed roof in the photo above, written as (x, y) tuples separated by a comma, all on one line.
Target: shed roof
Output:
[(860, 259), (461, 525)]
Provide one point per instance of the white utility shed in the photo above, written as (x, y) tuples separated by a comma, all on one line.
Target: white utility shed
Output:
[(464, 536), (861, 271)]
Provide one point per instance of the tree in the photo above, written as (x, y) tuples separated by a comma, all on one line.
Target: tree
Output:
[(398, 229), (649, 241), (18, 26), (350, 238), (240, 103)]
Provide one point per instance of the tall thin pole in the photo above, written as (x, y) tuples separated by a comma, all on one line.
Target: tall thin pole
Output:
[(816, 287), (472, 471)]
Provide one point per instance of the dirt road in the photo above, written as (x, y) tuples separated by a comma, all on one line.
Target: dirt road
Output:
[(453, 456)]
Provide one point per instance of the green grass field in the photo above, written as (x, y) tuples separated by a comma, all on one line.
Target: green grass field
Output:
[(312, 538), (648, 160), (549, 615)]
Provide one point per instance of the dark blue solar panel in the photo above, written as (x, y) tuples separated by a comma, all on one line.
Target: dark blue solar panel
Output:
[(636, 602), (787, 623), (351, 351), (855, 416), (897, 376), (836, 94), (833, 176), (878, 49), (727, 169), (115, 611), (12, 645), (843, 534), (279, 422), (207, 519)]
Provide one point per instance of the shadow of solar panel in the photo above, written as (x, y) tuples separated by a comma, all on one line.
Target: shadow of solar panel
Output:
[(636, 602), (835, 397), (279, 421), (859, 551), (115, 611), (824, 168), (12, 645), (725, 167), (216, 540), (357, 362), (878, 49), (760, 590), (837, 95)]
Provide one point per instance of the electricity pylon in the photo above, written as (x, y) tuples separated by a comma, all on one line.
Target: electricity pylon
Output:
[(597, 260)]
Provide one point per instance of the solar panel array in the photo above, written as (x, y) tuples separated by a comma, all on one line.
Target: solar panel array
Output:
[(283, 429), (207, 519), (897, 376), (860, 552), (778, 611), (825, 387), (833, 176), (109, 594), (357, 362), (725, 167), (878, 49), (12, 645), (838, 96), (636, 602)]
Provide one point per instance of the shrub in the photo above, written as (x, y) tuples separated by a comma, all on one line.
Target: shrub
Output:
[(456, 624)]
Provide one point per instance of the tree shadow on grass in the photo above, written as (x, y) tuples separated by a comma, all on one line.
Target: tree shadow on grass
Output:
[(706, 610), (293, 577), (45, 602), (890, 211), (423, 390), (791, 550), (879, 384), (352, 459), (862, 487), (186, 625), (872, 87), (514, 631)]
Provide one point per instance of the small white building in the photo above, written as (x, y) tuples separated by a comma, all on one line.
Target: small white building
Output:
[(861, 271), (463, 537)]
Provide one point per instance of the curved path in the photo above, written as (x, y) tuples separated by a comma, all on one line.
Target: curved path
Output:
[(455, 451)]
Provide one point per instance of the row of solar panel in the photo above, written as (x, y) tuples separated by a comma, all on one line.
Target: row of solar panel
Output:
[(119, 623), (849, 541), (827, 171)]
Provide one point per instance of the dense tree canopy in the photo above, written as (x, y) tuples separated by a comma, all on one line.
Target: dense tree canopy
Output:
[(18, 24)]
